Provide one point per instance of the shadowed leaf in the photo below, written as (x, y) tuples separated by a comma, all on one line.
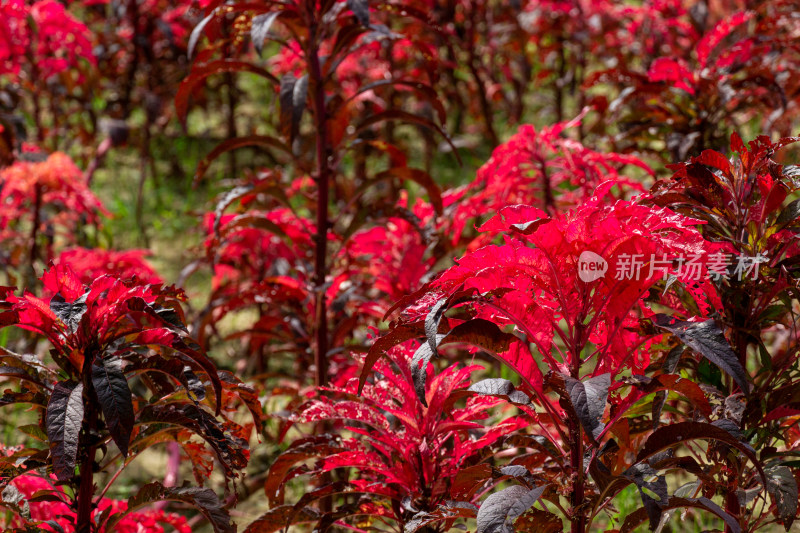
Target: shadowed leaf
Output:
[(115, 399), (360, 9), (640, 515), (707, 339), (782, 486), (204, 500), (281, 517), (64, 420), (498, 512), (260, 29), (70, 313), (501, 388)]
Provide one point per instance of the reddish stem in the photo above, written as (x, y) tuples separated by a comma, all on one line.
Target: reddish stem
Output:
[(323, 185), (86, 489)]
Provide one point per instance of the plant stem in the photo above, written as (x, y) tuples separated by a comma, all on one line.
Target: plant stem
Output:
[(86, 489), (558, 86), (323, 184), (472, 63), (732, 508), (144, 156), (85, 493), (231, 101), (37, 207), (578, 519), (547, 189), (316, 84)]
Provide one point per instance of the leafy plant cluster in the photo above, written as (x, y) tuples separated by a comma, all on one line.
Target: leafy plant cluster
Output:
[(402, 353)]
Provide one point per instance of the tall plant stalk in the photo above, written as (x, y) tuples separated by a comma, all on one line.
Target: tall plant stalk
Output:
[(323, 189)]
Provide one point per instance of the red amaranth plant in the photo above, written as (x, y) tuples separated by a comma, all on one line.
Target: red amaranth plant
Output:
[(92, 263), (26, 498), (44, 205), (575, 337), (324, 124), (744, 202), (545, 165), (405, 455), (729, 70), (103, 337), (261, 261), (57, 46)]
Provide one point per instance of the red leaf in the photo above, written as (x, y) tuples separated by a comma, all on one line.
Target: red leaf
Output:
[(60, 279)]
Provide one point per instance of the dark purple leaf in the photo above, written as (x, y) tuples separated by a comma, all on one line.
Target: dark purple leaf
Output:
[(229, 449), (529, 227), (419, 368), (204, 500), (360, 9), (537, 442), (640, 515), (293, 93), (171, 317), (730, 426), (708, 340), (299, 450), (782, 486), (193, 384), (680, 432), (260, 29), (789, 213), (13, 499), (115, 399), (64, 420), (432, 324), (539, 521), (476, 332), (588, 398), (197, 32), (520, 473), (498, 512), (280, 517), (448, 511), (652, 489), (69, 313), (481, 333), (501, 388), (381, 345)]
